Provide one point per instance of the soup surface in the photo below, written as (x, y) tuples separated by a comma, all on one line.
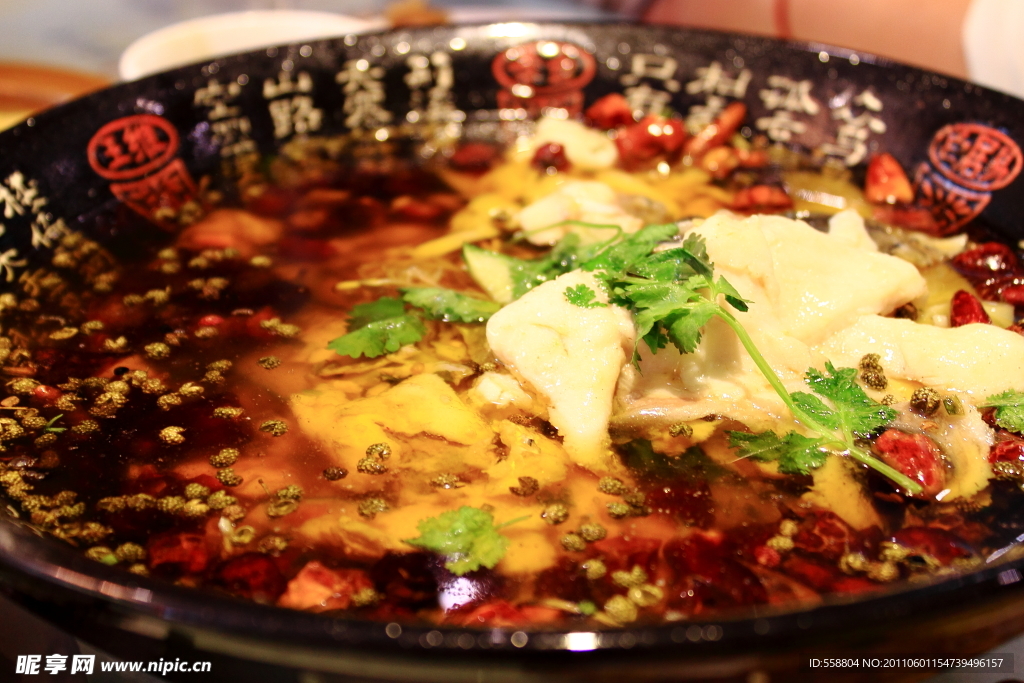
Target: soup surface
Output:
[(590, 378)]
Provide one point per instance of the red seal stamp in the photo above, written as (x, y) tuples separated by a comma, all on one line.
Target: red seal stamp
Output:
[(543, 74), (976, 157), (131, 147), (138, 153), (951, 205)]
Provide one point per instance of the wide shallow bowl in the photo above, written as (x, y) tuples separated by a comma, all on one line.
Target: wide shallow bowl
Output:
[(114, 163)]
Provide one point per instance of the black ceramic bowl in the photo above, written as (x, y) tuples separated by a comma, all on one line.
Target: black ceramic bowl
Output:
[(116, 164)]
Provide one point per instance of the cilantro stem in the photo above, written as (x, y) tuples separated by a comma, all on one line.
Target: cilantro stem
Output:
[(846, 441), (512, 521)]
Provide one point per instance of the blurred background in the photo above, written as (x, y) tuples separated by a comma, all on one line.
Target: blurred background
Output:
[(75, 45)]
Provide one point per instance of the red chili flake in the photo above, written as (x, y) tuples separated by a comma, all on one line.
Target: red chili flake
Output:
[(908, 217), (550, 155), (474, 157), (210, 321), (916, 456), (767, 557), (943, 545), (1007, 451), (253, 575), (986, 260), (495, 614), (752, 158), (177, 553), (271, 202), (318, 588), (824, 533), (46, 394), (887, 182), (965, 308), (719, 131), (651, 137), (415, 209), (760, 199), (1013, 294), (611, 111)]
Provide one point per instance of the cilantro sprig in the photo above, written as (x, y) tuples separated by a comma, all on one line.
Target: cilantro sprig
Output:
[(377, 328), (674, 293), (467, 537), (583, 296), (1009, 407), (450, 306), (384, 326)]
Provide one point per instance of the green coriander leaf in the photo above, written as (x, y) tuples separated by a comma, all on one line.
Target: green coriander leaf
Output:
[(380, 337), (583, 296), (563, 257), (684, 327), (449, 305), (855, 411), (1009, 407), (364, 314), (814, 406), (795, 453), (467, 537), (617, 259), (731, 295)]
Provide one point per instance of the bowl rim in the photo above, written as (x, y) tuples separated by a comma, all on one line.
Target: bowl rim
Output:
[(24, 553)]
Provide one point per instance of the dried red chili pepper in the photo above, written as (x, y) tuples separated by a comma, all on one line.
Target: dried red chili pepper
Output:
[(916, 456), (610, 111), (719, 131), (887, 182), (965, 308)]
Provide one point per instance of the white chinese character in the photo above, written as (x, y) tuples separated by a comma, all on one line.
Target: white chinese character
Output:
[(644, 99), (27, 664), (295, 115), (82, 664), (45, 230), (9, 261), (713, 80), (701, 116), (56, 663), (853, 132), (233, 136), (655, 67), (868, 100), (364, 95), (216, 97), (430, 100), (785, 93), (284, 85), (17, 195), (781, 126)]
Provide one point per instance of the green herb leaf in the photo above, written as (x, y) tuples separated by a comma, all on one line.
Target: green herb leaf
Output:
[(617, 259), (376, 328), (449, 305), (853, 411), (795, 453), (1009, 407), (380, 337), (381, 309), (467, 537), (583, 296)]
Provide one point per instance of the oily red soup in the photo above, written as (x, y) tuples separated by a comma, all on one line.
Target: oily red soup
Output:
[(539, 386)]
